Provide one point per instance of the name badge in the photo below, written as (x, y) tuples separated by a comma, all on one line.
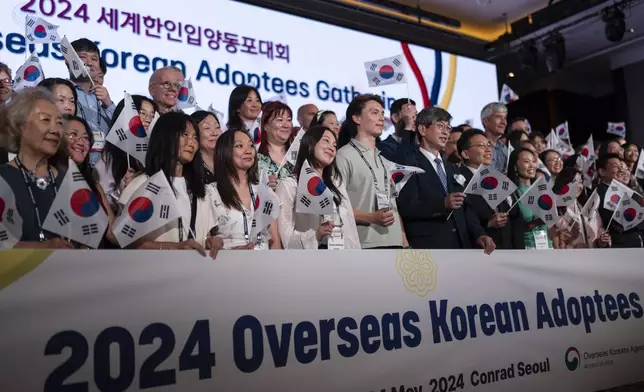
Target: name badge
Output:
[(99, 141), (336, 239), (541, 240), (382, 201)]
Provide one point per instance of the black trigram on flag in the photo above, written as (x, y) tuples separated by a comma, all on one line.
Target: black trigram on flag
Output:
[(640, 173), (492, 196), (567, 199), (128, 231), (52, 37), (308, 170), (325, 202), (90, 229), (75, 65), (306, 201), (61, 217), (373, 67), (505, 186), (141, 147), (484, 172), (254, 225), (63, 49), (31, 38), (376, 81), (548, 217), (9, 216), (165, 211), (3, 236), (542, 187), (77, 176), (268, 208), (121, 134), (400, 77), (530, 199), (475, 186), (152, 187), (397, 62), (294, 155), (191, 99), (31, 23)]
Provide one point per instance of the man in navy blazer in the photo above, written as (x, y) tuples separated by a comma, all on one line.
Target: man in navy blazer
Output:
[(403, 115), (432, 205)]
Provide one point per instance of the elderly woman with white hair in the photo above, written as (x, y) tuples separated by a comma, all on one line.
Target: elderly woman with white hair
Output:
[(494, 117), (31, 126)]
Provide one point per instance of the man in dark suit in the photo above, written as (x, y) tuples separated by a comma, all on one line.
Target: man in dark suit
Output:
[(608, 168), (427, 201), (403, 116), (502, 226)]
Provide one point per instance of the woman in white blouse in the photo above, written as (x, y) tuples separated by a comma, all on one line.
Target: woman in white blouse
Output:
[(308, 231), (173, 148), (234, 194)]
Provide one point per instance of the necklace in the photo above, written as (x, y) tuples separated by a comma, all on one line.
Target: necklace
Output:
[(41, 182)]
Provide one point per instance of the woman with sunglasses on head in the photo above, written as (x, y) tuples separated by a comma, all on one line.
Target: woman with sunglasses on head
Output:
[(307, 231), (328, 119), (173, 149), (235, 192)]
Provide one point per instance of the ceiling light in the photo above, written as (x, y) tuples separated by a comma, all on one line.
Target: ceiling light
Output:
[(615, 23), (510, 74)]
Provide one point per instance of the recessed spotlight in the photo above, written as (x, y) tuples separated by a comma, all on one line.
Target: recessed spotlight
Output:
[(631, 30), (510, 74)]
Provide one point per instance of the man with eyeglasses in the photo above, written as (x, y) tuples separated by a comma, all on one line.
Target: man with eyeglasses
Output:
[(494, 117), (500, 224), (432, 204), (6, 88), (164, 87)]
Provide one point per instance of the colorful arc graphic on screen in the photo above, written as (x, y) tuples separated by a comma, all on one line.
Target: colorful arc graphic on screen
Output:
[(429, 100)]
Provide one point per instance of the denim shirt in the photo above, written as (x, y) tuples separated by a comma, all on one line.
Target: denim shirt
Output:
[(500, 156), (97, 116)]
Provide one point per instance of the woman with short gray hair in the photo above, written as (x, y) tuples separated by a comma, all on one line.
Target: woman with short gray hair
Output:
[(32, 127)]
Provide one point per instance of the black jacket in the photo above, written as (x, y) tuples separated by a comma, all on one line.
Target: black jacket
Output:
[(620, 238)]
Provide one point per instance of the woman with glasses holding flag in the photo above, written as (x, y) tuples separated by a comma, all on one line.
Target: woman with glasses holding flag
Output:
[(235, 195), (311, 231)]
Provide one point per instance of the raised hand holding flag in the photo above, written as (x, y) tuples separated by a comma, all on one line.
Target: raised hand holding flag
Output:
[(38, 30), (10, 219), (562, 131), (390, 70), (313, 196), (75, 64), (186, 97), (76, 212), (266, 206), (29, 74), (152, 206), (128, 133)]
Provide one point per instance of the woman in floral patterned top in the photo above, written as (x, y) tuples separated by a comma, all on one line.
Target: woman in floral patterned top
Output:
[(277, 131)]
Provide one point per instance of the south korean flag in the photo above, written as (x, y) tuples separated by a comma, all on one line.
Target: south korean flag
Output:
[(387, 71), (186, 98), (400, 174), (541, 201), (76, 212), (491, 185), (294, 149), (29, 74), (152, 206), (567, 194), (10, 219), (313, 196), (266, 206), (614, 194), (74, 63), (128, 133), (629, 214)]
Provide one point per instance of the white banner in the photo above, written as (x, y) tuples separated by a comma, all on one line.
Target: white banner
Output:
[(407, 320)]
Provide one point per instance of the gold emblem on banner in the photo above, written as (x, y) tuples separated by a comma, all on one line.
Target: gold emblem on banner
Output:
[(16, 263), (417, 270)]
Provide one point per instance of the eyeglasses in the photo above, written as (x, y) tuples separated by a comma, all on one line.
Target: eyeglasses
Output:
[(145, 115), (443, 126), (555, 159), (481, 145), (73, 138), (169, 85), (7, 81)]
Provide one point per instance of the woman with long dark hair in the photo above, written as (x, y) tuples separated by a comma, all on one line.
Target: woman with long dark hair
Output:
[(209, 130), (112, 169), (173, 149), (307, 231), (64, 93), (244, 106), (235, 194)]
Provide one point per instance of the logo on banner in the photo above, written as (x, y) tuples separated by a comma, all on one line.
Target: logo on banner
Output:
[(316, 186), (141, 209), (417, 270), (572, 359), (136, 127), (84, 203), (545, 202), (397, 177), (489, 183), (31, 74)]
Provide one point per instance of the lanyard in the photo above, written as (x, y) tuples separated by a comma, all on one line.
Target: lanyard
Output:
[(373, 174), (23, 170), (252, 207), (190, 237)]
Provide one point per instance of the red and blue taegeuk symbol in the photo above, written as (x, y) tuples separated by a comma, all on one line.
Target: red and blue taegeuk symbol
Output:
[(32, 73), (562, 131), (40, 31), (2, 206), (257, 136), (564, 190), (585, 152), (256, 205), (141, 209), (630, 214), (489, 183), (84, 203), (316, 186), (183, 94), (386, 71), (615, 198), (545, 202), (619, 127), (136, 127), (397, 177)]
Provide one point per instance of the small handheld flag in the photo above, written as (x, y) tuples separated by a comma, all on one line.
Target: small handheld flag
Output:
[(567, 194), (278, 98), (390, 70), (400, 174), (313, 196), (255, 131), (266, 206), (588, 149), (219, 115), (186, 97), (150, 207), (629, 214), (76, 212), (29, 74), (75, 64), (507, 95), (618, 129), (128, 133), (40, 31), (492, 185), (541, 201), (293, 150), (562, 131), (589, 209), (588, 172), (10, 219), (541, 166), (615, 193)]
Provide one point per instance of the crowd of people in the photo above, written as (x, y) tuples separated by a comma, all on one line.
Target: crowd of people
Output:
[(216, 176)]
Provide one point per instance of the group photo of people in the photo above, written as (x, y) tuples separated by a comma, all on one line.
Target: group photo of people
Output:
[(85, 167)]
